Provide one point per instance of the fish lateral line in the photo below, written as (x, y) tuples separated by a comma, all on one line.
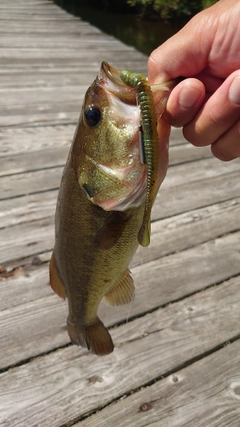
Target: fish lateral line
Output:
[(105, 199)]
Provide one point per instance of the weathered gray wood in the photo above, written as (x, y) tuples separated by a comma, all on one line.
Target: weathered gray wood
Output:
[(34, 207), (38, 326), (68, 383), (30, 182), (190, 229), (51, 101), (168, 203), (23, 285), (193, 195), (27, 140), (26, 239), (56, 156), (169, 235), (37, 160), (202, 170), (48, 59), (179, 175), (19, 141), (203, 394)]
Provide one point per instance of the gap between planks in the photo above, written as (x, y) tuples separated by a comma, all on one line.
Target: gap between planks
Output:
[(158, 284), (176, 335)]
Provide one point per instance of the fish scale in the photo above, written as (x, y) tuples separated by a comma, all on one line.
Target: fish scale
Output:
[(104, 203)]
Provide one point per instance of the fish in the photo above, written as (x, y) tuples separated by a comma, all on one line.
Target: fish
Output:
[(116, 163)]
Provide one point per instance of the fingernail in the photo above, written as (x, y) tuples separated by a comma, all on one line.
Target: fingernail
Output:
[(234, 91), (161, 78), (189, 96)]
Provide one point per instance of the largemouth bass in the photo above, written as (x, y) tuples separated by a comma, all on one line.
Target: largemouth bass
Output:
[(105, 198)]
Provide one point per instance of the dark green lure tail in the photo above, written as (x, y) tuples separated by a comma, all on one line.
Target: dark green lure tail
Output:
[(150, 145)]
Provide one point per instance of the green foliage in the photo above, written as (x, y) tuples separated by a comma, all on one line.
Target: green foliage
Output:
[(170, 9), (207, 3)]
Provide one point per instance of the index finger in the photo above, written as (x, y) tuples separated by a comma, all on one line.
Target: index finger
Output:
[(182, 55)]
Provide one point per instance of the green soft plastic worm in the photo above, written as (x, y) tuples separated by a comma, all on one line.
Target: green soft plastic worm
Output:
[(150, 145)]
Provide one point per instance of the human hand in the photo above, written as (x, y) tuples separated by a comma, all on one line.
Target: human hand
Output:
[(206, 52)]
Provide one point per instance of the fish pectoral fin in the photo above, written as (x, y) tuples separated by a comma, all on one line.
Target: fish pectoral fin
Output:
[(112, 230), (55, 282), (123, 292), (94, 337)]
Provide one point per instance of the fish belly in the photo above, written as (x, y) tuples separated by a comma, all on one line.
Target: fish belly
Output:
[(92, 252)]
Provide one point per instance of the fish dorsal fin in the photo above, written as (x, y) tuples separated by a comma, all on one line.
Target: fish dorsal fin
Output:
[(55, 282), (122, 292)]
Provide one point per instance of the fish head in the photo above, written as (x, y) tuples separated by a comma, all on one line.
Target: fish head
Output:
[(105, 153), (107, 149)]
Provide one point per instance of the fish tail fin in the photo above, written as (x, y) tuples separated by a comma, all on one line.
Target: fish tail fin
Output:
[(95, 337)]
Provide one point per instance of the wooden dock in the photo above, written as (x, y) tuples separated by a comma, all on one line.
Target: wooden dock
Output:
[(177, 346)]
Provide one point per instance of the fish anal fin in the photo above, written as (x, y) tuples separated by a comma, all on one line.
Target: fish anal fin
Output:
[(112, 230), (55, 282), (122, 292), (94, 337)]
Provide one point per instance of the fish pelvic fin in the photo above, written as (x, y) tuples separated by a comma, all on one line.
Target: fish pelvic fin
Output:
[(94, 337), (55, 282), (123, 292)]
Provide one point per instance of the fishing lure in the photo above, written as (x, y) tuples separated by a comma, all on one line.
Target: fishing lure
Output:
[(150, 143)]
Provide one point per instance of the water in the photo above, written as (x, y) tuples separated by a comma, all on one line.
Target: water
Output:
[(144, 35)]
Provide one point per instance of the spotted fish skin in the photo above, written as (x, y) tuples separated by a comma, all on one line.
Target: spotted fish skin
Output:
[(100, 209)]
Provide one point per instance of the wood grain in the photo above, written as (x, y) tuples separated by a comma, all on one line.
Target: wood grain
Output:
[(203, 394), (176, 358), (158, 282), (72, 382)]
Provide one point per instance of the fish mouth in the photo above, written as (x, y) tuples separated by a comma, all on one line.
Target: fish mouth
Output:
[(110, 78)]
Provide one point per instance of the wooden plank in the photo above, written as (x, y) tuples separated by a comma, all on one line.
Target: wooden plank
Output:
[(46, 98), (168, 203), (36, 160), (205, 393), (48, 44), (193, 195), (30, 182), (26, 209), (106, 50), (57, 156), (29, 233), (15, 141), (46, 66), (23, 285), (202, 170), (169, 236), (38, 326), (68, 383), (179, 175), (32, 228), (25, 140), (27, 239), (69, 76), (192, 228)]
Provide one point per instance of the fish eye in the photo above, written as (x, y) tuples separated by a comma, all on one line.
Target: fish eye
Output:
[(92, 116)]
